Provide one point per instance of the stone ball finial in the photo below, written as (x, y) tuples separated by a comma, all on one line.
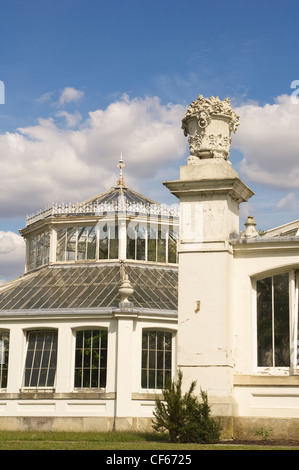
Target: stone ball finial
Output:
[(209, 124)]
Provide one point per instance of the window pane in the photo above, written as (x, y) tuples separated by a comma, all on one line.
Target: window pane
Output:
[(70, 254), (108, 243), (40, 364), (140, 242), (172, 246), (156, 359), (113, 233), (82, 243), (131, 240), (4, 353), (162, 245), (60, 247), (281, 320), (91, 245), (39, 248), (152, 244), (264, 322), (91, 359), (273, 321), (103, 242)]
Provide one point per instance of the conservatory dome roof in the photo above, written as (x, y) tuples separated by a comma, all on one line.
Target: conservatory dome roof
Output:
[(119, 198)]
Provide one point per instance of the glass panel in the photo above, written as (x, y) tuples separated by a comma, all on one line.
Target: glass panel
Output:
[(131, 241), (161, 255), (281, 320), (273, 321), (113, 233), (264, 322), (71, 238), (39, 248), (108, 243), (91, 359), (140, 242), (144, 379), (32, 253), (61, 244), (91, 245), (103, 249), (160, 379), (156, 358), (4, 353), (82, 243), (172, 246), (152, 244), (40, 365)]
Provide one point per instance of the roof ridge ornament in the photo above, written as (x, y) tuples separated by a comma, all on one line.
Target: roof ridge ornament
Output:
[(121, 181)]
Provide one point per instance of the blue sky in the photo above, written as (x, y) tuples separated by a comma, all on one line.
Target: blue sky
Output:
[(86, 80)]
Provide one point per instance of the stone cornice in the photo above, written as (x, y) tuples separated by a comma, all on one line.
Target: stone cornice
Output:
[(232, 187)]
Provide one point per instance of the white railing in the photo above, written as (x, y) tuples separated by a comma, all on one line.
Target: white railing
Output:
[(104, 208)]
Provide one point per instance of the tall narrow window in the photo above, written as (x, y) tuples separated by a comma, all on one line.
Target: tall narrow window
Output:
[(91, 359), (172, 245), (161, 251), (156, 359), (273, 337), (108, 241), (66, 244), (41, 359), (4, 350), (39, 248), (152, 244), (136, 235), (86, 248)]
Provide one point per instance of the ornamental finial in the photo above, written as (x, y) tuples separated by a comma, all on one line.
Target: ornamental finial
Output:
[(209, 123), (121, 181)]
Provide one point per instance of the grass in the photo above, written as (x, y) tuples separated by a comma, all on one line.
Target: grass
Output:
[(26, 440)]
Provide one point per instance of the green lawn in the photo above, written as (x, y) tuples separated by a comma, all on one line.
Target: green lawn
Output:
[(108, 441)]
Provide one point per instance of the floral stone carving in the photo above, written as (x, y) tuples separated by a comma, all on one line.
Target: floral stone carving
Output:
[(209, 124)]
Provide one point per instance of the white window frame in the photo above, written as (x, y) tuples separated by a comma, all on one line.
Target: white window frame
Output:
[(293, 368), (38, 387), (173, 333)]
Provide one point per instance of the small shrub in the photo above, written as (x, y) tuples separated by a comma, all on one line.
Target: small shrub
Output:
[(184, 417), (263, 433)]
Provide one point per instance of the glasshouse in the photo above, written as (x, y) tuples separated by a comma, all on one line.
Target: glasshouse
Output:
[(120, 292)]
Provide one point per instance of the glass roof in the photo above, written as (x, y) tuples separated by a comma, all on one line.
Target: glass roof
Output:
[(113, 195), (79, 287)]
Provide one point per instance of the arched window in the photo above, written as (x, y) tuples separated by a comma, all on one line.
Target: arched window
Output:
[(273, 320), (91, 359), (156, 358), (41, 359)]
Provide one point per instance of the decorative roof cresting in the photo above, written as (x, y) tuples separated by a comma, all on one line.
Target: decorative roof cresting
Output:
[(209, 123)]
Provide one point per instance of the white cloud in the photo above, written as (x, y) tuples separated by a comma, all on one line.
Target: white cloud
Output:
[(48, 163), (72, 119), (45, 97), (70, 94), (268, 137), (289, 203), (12, 256)]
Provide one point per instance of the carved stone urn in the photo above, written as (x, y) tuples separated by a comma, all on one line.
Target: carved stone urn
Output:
[(209, 123)]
